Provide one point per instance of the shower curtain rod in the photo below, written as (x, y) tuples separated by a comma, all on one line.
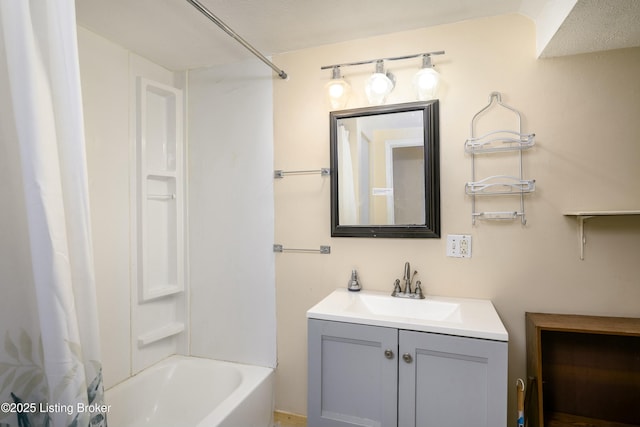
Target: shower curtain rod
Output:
[(206, 12)]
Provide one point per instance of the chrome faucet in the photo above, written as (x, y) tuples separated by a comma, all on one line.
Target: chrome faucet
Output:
[(407, 277), (408, 280)]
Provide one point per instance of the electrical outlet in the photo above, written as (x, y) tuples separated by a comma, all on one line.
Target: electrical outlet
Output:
[(459, 245), (464, 246)]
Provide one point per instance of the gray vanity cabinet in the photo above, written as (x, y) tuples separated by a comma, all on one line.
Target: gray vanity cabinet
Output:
[(351, 381), (451, 381), (361, 375)]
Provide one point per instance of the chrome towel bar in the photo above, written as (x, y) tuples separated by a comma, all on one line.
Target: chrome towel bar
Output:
[(282, 174), (324, 250)]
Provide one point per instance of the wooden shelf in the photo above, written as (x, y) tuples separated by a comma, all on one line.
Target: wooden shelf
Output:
[(582, 216), (558, 419), (586, 324), (586, 370)]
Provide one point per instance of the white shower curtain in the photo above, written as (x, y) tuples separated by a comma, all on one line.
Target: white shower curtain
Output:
[(348, 214), (50, 370)]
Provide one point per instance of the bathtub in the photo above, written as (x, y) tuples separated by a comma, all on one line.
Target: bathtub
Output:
[(185, 391)]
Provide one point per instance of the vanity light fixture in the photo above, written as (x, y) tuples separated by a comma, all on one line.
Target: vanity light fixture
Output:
[(338, 90), (426, 81), (380, 84)]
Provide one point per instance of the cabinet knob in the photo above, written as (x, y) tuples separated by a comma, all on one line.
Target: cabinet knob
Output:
[(388, 354), (407, 358)]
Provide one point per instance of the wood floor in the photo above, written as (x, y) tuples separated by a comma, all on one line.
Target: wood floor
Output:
[(286, 419)]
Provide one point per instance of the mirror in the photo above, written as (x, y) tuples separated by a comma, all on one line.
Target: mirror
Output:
[(385, 179)]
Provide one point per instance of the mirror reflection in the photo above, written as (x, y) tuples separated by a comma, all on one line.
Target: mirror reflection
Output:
[(384, 164), (381, 165)]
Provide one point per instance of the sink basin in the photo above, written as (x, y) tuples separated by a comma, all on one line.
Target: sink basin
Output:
[(476, 318), (425, 309)]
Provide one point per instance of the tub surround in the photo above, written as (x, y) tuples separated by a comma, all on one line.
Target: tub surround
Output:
[(109, 87), (231, 236), (159, 321), (226, 164)]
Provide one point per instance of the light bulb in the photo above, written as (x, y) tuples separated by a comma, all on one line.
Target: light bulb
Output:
[(338, 91), (378, 86), (426, 81)]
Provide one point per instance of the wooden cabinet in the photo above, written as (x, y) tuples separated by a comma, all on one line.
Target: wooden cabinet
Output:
[(362, 375), (586, 370)]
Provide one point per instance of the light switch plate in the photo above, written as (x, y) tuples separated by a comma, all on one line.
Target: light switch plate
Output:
[(459, 245)]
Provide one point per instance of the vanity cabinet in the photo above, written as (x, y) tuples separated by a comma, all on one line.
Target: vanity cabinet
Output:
[(362, 375), (351, 381)]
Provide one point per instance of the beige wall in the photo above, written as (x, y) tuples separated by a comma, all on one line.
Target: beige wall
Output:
[(585, 112)]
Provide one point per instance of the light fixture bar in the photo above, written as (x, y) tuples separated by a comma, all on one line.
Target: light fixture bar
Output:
[(206, 12), (371, 61)]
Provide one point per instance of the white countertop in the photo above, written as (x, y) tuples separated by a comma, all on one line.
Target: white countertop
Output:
[(467, 317)]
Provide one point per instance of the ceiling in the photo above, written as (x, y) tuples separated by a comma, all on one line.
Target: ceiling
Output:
[(174, 34), (595, 25)]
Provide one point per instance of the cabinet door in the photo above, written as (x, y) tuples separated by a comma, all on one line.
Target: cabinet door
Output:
[(449, 381), (352, 382)]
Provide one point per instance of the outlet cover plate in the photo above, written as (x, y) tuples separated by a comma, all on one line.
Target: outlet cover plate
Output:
[(459, 245)]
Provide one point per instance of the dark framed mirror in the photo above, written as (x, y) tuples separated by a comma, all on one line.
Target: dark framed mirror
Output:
[(385, 171)]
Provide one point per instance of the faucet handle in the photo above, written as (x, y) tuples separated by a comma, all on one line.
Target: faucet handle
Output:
[(418, 290), (396, 288)]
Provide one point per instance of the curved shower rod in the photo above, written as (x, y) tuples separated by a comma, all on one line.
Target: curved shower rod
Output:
[(206, 12)]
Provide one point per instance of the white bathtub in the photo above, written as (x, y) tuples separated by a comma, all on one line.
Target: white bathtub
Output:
[(192, 392)]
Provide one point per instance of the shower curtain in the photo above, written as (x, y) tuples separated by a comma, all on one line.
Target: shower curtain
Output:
[(50, 370), (348, 214)]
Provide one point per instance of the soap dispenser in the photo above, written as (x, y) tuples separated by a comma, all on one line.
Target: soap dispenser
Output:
[(354, 284)]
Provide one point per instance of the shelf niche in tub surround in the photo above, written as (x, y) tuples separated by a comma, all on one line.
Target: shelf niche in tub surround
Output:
[(159, 313)]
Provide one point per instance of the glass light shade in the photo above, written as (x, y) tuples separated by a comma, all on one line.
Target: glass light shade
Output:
[(338, 92), (426, 83), (378, 86)]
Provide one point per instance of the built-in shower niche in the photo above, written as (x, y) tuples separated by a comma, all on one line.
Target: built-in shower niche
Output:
[(159, 152), (162, 261), (159, 313), (160, 139)]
